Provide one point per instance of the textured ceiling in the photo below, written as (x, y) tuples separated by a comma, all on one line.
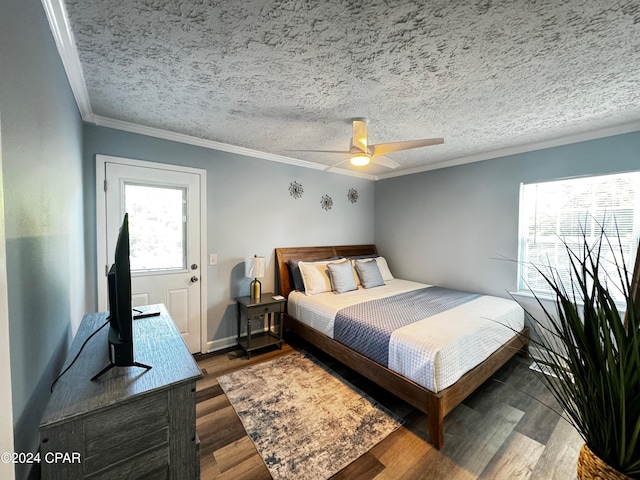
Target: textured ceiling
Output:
[(278, 75)]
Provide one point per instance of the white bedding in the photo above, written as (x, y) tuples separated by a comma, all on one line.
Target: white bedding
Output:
[(434, 352)]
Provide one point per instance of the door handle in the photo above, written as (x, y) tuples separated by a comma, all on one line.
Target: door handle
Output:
[(194, 279)]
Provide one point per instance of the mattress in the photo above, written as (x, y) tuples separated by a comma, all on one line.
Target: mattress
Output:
[(433, 352)]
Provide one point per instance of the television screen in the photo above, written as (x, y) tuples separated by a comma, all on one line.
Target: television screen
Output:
[(121, 315), (122, 279), (120, 311), (111, 286)]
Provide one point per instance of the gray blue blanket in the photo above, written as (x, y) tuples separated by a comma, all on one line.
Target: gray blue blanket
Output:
[(367, 327)]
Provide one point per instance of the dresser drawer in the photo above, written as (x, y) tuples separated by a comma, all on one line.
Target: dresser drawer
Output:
[(122, 433)]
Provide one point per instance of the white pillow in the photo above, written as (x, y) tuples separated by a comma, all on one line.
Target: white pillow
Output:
[(384, 269), (355, 273), (315, 276)]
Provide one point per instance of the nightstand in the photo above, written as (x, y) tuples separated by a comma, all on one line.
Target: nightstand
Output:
[(253, 309)]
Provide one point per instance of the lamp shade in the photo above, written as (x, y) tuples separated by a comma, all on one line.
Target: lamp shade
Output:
[(254, 267)]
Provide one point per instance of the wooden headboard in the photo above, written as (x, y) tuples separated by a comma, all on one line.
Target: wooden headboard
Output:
[(310, 254)]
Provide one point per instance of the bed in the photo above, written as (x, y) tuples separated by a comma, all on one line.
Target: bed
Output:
[(317, 319)]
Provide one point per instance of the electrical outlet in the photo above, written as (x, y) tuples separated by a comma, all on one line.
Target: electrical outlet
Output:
[(213, 259)]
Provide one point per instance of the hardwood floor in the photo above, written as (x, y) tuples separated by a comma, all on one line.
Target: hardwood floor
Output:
[(499, 432)]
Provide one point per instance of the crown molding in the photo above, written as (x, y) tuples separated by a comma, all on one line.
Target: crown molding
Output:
[(213, 145), (556, 142), (59, 25)]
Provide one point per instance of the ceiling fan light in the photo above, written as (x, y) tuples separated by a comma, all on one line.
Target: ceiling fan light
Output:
[(360, 159)]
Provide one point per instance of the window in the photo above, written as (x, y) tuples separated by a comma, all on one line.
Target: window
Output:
[(157, 227), (552, 213)]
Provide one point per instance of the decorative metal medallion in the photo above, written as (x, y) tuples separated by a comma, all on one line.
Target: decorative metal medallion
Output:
[(295, 189), (352, 195), (326, 202)]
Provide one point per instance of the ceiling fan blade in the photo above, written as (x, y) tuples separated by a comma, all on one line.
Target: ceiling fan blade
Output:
[(335, 164), (322, 151), (359, 139), (384, 148), (385, 162)]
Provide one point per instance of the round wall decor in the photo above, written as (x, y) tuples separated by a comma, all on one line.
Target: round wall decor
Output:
[(326, 202), (352, 195), (295, 189)]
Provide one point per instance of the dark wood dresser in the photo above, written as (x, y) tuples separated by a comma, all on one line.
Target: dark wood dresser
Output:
[(131, 422)]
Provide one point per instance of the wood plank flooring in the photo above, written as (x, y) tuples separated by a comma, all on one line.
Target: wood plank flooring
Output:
[(499, 432)]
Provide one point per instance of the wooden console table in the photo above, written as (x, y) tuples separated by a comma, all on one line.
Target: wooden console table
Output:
[(130, 422)]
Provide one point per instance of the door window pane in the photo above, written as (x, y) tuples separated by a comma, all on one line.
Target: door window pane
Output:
[(156, 227)]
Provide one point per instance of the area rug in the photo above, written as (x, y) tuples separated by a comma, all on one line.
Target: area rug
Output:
[(305, 420)]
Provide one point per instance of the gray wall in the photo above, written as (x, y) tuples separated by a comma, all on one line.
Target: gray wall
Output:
[(250, 211), (42, 193), (449, 227)]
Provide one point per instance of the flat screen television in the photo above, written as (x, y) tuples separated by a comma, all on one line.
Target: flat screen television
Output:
[(120, 310)]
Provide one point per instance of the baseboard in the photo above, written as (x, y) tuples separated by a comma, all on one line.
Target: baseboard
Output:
[(221, 344)]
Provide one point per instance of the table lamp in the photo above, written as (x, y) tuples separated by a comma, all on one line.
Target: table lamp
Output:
[(254, 268)]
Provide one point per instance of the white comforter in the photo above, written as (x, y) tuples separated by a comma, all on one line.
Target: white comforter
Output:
[(434, 352)]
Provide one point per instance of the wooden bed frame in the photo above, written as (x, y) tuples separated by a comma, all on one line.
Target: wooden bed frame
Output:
[(435, 405)]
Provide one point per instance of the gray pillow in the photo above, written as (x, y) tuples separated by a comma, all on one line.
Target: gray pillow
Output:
[(369, 273), (296, 276), (342, 278)]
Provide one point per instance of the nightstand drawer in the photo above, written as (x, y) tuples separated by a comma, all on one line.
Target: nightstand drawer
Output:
[(255, 310)]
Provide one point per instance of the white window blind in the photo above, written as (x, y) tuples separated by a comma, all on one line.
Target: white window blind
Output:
[(558, 212)]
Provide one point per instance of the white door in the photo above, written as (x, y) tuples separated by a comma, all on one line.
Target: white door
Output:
[(164, 237)]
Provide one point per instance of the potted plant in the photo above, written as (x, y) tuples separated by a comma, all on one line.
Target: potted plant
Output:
[(592, 355)]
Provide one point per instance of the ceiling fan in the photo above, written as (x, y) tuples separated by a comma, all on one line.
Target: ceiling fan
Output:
[(361, 153)]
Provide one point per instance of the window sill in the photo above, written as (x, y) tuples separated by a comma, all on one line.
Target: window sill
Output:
[(529, 294), (551, 301), (528, 300)]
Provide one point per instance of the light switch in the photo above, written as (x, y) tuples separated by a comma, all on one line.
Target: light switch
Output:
[(213, 259)]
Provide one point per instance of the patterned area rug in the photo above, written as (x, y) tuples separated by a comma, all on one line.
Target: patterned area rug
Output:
[(305, 421)]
